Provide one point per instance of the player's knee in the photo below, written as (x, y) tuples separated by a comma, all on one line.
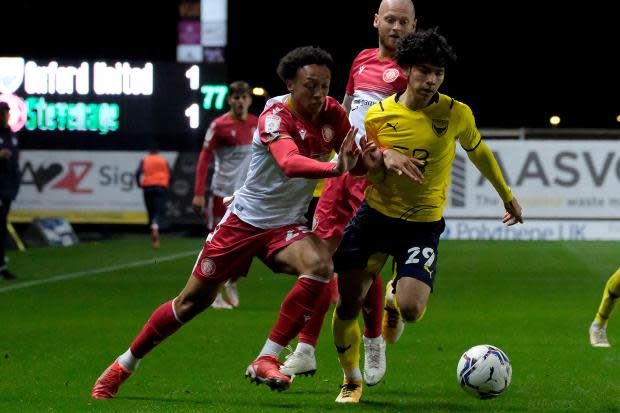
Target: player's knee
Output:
[(319, 265), (187, 308), (411, 312)]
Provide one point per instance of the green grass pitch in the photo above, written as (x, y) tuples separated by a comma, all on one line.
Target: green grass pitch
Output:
[(535, 300)]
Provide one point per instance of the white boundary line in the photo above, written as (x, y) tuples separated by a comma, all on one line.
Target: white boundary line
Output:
[(79, 274)]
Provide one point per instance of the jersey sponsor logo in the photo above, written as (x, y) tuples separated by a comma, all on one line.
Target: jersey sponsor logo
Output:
[(207, 266), (359, 103), (328, 133), (440, 126), (272, 123), (390, 75)]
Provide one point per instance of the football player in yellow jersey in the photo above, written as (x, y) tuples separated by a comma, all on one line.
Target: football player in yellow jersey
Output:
[(402, 217)]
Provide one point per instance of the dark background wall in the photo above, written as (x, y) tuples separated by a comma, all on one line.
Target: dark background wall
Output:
[(519, 62)]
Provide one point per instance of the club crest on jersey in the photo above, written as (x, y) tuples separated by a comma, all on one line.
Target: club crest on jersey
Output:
[(302, 133), (207, 266), (272, 123), (390, 75), (440, 126), (328, 133)]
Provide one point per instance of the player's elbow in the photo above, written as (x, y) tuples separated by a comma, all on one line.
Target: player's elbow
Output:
[(289, 170)]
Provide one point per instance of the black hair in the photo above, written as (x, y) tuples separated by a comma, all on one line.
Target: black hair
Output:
[(424, 46), (239, 87), (302, 56)]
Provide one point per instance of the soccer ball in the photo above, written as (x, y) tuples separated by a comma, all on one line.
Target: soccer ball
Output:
[(484, 371)]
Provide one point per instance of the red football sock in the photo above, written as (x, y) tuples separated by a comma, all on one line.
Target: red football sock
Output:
[(310, 332), (372, 309), (297, 308), (161, 324)]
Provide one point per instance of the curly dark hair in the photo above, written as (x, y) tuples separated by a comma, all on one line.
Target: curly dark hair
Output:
[(302, 56), (424, 46)]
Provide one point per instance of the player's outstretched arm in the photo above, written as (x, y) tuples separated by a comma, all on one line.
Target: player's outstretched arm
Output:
[(482, 157), (286, 153)]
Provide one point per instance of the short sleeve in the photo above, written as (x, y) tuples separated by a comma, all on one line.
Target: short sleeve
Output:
[(274, 123)]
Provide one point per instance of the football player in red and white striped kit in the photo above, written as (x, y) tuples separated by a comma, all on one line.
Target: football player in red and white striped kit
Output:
[(373, 77), (294, 139), (228, 142)]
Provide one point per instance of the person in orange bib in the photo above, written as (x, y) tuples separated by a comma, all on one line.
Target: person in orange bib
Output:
[(153, 176)]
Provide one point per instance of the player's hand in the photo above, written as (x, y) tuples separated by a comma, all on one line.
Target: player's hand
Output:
[(347, 156), (198, 204), (514, 212), (371, 155), (227, 200), (400, 164)]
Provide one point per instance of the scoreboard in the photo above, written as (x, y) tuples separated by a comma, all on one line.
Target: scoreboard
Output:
[(83, 127), (110, 104)]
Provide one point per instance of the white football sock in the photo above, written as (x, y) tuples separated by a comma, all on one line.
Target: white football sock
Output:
[(271, 348), (305, 348), (128, 360)]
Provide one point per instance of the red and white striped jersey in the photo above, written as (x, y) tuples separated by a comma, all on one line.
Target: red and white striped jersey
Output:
[(371, 79), (230, 141), (268, 198)]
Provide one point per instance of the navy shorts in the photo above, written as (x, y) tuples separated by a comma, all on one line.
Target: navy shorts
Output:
[(371, 237)]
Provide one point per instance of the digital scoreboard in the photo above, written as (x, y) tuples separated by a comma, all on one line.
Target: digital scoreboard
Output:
[(110, 104)]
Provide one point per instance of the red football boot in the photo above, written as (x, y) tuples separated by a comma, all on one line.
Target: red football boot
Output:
[(110, 380), (266, 370)]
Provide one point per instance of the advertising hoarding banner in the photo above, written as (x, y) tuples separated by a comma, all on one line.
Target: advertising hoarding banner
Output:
[(551, 179), (82, 186), (532, 230)]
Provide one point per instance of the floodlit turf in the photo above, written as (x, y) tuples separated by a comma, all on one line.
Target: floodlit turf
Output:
[(535, 300)]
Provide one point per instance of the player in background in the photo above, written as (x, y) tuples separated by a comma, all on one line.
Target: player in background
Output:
[(402, 217), (598, 329), (228, 143), (373, 76), (295, 136)]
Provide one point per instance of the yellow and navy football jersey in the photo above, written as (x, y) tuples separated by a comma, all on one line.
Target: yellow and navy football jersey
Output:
[(429, 134)]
